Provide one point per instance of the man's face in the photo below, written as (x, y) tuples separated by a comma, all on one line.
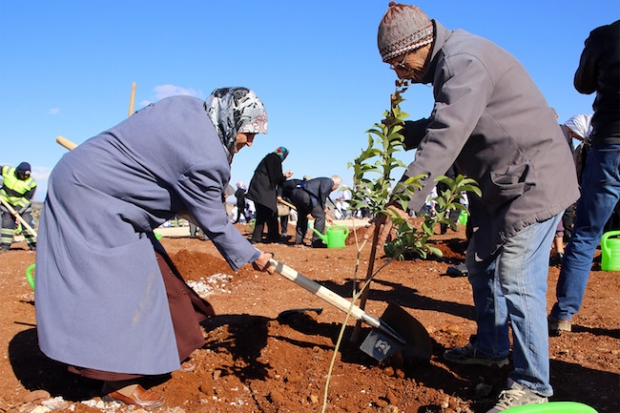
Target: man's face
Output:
[(412, 64)]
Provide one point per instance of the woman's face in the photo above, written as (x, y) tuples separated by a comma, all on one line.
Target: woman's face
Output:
[(243, 139)]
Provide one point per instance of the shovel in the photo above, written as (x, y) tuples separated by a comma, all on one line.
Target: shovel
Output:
[(395, 330), (19, 218)]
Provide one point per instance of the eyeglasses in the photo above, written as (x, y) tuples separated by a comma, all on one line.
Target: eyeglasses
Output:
[(400, 65)]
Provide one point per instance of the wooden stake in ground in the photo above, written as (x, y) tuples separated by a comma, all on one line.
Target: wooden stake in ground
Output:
[(131, 99), (364, 296)]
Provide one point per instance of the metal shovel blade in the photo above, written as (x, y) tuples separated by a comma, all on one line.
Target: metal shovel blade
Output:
[(396, 329), (379, 346), (419, 344)]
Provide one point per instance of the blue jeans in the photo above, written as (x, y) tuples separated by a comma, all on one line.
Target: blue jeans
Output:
[(600, 192), (510, 287)]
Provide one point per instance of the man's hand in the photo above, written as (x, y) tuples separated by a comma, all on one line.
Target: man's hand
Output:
[(262, 263), (328, 218), (385, 225)]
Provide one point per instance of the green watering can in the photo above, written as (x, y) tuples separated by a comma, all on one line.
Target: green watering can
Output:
[(552, 407), (30, 274), (610, 247), (335, 236)]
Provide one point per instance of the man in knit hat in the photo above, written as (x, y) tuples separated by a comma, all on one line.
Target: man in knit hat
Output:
[(493, 123)]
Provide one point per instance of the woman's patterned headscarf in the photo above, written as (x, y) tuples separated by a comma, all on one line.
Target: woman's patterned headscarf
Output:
[(235, 110)]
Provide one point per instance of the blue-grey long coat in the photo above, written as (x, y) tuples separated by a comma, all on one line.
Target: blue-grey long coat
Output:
[(100, 297)]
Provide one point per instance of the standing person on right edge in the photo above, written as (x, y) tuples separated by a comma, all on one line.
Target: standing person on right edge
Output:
[(598, 71), (263, 189), (490, 120)]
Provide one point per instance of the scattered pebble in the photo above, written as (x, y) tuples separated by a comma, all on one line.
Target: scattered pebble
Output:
[(483, 389), (36, 395), (55, 404)]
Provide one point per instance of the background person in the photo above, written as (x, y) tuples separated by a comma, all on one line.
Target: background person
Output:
[(18, 189), (310, 198), (494, 124), (99, 267), (598, 71), (577, 127), (263, 189), (240, 200)]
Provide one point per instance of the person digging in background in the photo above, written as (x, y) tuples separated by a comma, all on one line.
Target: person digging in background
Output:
[(494, 124), (110, 303), (18, 189)]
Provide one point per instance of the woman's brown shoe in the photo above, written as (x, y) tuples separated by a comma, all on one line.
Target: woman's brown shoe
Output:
[(188, 366), (141, 397)]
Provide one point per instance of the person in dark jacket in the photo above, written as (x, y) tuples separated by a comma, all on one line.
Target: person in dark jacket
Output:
[(490, 120), (310, 199), (110, 302), (598, 71), (263, 189)]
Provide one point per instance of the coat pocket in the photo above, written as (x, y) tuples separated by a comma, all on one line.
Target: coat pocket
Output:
[(507, 185)]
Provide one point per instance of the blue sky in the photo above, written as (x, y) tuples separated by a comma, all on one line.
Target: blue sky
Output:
[(67, 66)]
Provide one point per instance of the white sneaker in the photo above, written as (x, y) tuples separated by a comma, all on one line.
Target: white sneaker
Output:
[(516, 395)]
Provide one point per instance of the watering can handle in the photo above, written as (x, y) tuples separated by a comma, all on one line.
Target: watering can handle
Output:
[(607, 235), (343, 227)]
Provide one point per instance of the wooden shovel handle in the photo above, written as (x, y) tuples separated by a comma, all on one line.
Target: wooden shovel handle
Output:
[(288, 204), (19, 218), (334, 299), (317, 289), (66, 143)]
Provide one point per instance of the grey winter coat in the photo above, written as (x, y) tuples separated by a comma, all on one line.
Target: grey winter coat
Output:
[(491, 120), (101, 301)]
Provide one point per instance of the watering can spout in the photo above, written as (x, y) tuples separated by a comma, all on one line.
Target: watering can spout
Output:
[(323, 237)]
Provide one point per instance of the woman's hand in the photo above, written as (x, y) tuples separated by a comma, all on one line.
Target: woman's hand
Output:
[(262, 262)]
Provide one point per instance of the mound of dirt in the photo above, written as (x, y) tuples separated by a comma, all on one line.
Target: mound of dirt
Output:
[(271, 346)]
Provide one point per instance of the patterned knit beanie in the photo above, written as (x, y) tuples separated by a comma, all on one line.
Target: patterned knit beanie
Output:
[(403, 29)]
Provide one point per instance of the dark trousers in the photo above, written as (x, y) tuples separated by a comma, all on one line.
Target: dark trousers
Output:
[(240, 211), (304, 206), (9, 224), (266, 215)]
